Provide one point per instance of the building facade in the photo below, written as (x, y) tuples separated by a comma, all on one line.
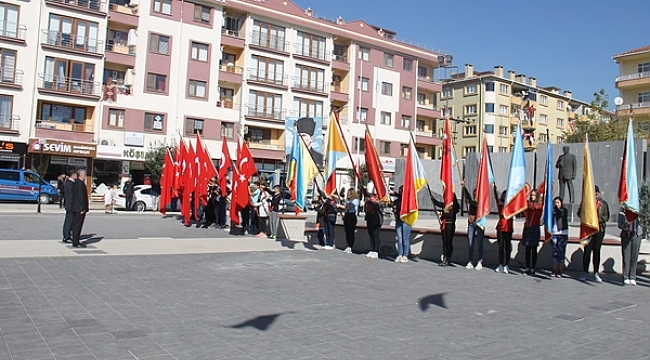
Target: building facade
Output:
[(633, 83), (492, 102)]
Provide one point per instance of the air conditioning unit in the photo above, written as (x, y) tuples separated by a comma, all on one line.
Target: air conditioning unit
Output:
[(106, 142)]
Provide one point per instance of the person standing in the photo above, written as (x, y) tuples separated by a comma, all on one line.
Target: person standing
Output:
[(128, 190), (60, 188), (560, 235), (504, 234), (108, 200), (474, 232), (329, 211), (531, 234), (221, 204), (254, 226), (630, 245), (596, 241), (275, 212), (350, 218), (68, 192), (79, 208), (447, 228), (402, 229), (263, 210), (374, 221), (155, 194)]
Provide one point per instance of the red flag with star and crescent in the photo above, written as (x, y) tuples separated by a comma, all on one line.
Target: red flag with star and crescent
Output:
[(224, 165)]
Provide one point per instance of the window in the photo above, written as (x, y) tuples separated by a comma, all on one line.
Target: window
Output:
[(362, 83), (308, 107), (63, 113), (406, 121), (643, 97), (422, 99), (309, 78), (265, 105), (359, 145), (196, 88), (560, 105), (259, 135), (643, 67), (503, 110), (447, 112), (531, 96), (419, 125), (7, 65), (560, 123), (311, 45), (470, 109), (116, 118), (9, 20), (388, 60), (422, 72), (503, 149), (543, 99), (154, 122), (227, 130), (156, 82), (364, 54), (201, 13), (385, 118), (447, 93), (542, 137), (470, 130), (69, 76), (503, 89), (407, 64), (267, 70), (489, 107), (193, 126), (542, 118), (159, 44), (226, 97), (407, 92), (503, 130), (6, 104), (489, 86), (468, 149), (70, 32), (362, 115), (403, 149), (268, 36), (199, 51), (470, 89), (384, 147), (490, 148), (163, 6), (489, 129), (387, 89)]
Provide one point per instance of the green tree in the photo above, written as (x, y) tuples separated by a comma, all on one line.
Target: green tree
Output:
[(598, 123), (154, 160), (644, 214), (364, 176)]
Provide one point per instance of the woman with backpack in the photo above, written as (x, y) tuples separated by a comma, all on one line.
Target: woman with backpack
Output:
[(374, 221)]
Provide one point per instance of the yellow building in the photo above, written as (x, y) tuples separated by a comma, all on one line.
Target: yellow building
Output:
[(491, 102), (633, 83)]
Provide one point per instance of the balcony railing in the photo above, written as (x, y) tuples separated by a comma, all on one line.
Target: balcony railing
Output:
[(232, 69), (65, 126), (72, 41), (12, 30), (639, 105), (233, 33), (121, 48), (422, 132), (93, 5), (9, 122), (428, 106), (265, 144), (312, 52), (341, 58), (123, 9), (428, 79), (11, 76), (316, 86), (340, 89), (265, 112), (634, 76), (268, 78), (270, 42), (68, 85), (227, 104)]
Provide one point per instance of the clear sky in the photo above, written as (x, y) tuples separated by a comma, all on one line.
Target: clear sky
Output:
[(568, 43)]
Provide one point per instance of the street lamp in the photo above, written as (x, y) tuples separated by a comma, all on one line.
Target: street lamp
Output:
[(41, 143)]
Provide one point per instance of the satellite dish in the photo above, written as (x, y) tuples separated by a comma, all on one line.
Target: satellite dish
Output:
[(618, 101)]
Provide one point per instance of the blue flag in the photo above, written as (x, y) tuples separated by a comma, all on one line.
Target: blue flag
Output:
[(548, 218)]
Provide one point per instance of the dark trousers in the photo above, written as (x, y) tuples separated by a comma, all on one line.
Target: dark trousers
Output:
[(531, 256), (67, 225), (448, 232), (373, 233), (630, 244), (329, 221), (245, 217), (593, 247), (210, 215), (77, 224), (129, 202), (221, 213), (254, 227), (569, 184), (61, 201), (350, 225), (504, 241)]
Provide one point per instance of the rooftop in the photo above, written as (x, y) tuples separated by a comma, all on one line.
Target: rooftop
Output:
[(639, 50)]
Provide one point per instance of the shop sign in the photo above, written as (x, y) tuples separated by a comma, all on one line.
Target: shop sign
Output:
[(53, 147), (388, 164), (78, 162), (58, 160), (134, 139), (137, 165), (134, 154), (126, 167), (12, 147)]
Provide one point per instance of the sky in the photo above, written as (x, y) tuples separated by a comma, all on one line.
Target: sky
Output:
[(568, 44)]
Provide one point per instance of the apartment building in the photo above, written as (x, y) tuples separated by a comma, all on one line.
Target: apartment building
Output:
[(115, 79), (633, 83), (491, 103)]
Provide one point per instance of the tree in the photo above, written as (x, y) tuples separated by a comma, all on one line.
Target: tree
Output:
[(644, 214), (597, 123), (364, 176), (154, 160)]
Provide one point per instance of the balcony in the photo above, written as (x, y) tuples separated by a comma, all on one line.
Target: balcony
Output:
[(633, 80), (120, 53), (13, 32), (265, 113), (426, 82), (11, 78), (427, 137), (231, 74), (90, 6), (269, 43), (58, 85), (123, 14), (640, 108), (58, 40), (232, 38), (311, 53), (9, 124), (313, 87), (429, 110), (341, 62), (65, 131), (261, 77), (227, 110), (265, 144)]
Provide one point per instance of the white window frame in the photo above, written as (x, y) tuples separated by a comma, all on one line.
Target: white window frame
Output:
[(362, 83), (471, 89), (200, 51), (504, 110), (364, 54), (543, 99), (386, 118), (504, 89), (559, 123), (386, 88), (197, 88), (560, 105), (470, 109)]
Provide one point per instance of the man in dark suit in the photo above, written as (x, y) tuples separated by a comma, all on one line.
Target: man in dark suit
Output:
[(566, 163), (68, 192), (128, 192), (79, 208)]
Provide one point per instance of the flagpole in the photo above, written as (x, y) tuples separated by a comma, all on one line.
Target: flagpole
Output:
[(435, 208), (347, 149)]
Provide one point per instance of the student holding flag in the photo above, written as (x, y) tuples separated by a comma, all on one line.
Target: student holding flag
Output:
[(595, 242), (475, 233), (504, 234), (628, 218), (560, 231), (531, 234)]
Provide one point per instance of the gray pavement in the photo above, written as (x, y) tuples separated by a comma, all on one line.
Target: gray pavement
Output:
[(287, 302)]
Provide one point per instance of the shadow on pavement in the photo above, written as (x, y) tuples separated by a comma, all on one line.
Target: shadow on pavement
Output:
[(435, 299), (92, 240), (262, 322)]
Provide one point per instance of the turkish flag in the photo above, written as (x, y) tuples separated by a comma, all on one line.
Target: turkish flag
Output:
[(189, 184), (226, 162), (166, 182)]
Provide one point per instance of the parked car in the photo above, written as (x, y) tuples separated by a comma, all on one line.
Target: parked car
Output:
[(23, 185), (142, 199)]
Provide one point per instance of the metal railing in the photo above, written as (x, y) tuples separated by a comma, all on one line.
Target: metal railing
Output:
[(232, 69), (11, 76), (72, 41), (227, 104), (264, 144), (268, 78), (304, 84), (634, 76), (9, 122), (340, 89), (270, 42), (311, 51), (65, 126), (638, 105), (428, 106), (119, 47), (12, 30), (123, 9), (341, 58), (68, 85), (233, 33), (265, 112), (429, 79), (94, 5)]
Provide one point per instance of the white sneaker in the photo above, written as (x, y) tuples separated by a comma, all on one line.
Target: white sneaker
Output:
[(469, 266), (597, 278), (369, 254), (499, 269), (375, 255), (583, 277), (328, 247), (398, 258), (348, 250), (626, 282), (404, 259), (633, 282), (479, 265), (506, 270)]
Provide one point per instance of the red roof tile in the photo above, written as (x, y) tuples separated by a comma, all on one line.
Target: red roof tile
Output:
[(634, 51)]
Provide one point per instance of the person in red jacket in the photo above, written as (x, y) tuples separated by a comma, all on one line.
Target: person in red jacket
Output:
[(531, 234), (504, 234)]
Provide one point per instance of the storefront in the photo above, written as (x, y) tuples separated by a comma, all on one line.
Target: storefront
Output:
[(55, 157), (12, 155), (116, 162)]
